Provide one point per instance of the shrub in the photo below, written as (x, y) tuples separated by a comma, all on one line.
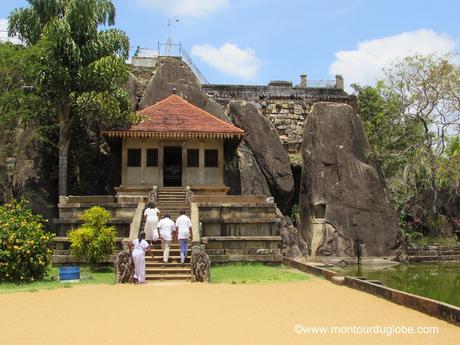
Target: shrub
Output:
[(94, 239), (294, 213), (25, 247)]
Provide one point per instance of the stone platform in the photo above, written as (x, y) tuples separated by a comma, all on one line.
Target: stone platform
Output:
[(238, 228)]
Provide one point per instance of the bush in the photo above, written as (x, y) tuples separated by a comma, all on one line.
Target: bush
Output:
[(25, 247), (94, 239)]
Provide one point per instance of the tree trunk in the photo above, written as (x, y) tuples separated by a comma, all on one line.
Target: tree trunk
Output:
[(64, 144)]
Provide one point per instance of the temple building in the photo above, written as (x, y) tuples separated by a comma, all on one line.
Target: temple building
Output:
[(175, 144)]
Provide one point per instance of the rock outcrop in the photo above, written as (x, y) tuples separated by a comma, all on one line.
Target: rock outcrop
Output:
[(252, 181), (28, 174), (242, 173), (293, 245), (263, 140), (131, 88), (174, 75), (342, 199), (435, 214)]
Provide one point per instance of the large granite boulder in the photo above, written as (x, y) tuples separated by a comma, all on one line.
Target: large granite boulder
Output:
[(27, 172), (174, 75), (131, 87), (263, 140), (293, 244), (343, 207), (252, 181)]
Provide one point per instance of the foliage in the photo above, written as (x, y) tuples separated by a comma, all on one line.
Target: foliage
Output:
[(428, 89), (19, 107), (81, 68), (25, 248), (412, 120), (94, 240), (294, 212)]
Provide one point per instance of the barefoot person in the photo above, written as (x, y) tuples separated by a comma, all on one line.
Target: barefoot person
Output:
[(151, 222), (139, 247), (166, 227), (184, 233)]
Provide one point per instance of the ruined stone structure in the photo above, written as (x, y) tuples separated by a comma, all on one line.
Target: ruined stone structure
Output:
[(285, 105)]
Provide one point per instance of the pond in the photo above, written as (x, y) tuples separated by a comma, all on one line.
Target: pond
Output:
[(439, 281)]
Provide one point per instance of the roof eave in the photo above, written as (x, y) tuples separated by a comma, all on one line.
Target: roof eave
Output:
[(171, 135)]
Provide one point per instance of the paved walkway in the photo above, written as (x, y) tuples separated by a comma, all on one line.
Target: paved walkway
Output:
[(216, 314)]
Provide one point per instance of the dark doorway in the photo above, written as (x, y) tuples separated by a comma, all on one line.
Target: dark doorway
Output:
[(172, 166)]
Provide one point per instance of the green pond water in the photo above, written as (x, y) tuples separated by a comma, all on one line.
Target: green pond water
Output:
[(437, 281)]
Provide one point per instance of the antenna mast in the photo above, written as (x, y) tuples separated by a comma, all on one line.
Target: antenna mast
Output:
[(169, 42)]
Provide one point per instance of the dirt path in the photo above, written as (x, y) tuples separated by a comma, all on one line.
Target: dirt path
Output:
[(216, 314)]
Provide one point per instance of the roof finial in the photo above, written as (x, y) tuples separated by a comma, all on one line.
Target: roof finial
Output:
[(174, 90)]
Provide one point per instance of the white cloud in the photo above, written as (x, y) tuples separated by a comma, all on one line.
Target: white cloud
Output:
[(230, 59), (4, 33), (3, 29), (364, 65), (185, 8)]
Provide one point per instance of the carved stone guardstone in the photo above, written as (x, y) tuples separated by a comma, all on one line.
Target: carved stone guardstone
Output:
[(153, 195), (125, 267), (201, 265), (188, 195)]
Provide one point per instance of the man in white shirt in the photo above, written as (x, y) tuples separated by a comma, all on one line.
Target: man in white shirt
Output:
[(184, 233), (166, 227)]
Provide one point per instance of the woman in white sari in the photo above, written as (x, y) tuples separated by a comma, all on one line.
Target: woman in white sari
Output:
[(139, 247), (151, 222)]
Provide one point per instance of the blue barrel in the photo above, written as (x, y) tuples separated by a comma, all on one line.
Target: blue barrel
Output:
[(69, 273)]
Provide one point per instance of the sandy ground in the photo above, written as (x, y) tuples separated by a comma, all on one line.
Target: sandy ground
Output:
[(207, 314)]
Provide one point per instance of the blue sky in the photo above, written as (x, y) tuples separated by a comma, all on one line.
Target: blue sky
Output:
[(255, 41)]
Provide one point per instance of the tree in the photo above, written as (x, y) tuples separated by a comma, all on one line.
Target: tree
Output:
[(410, 118), (391, 139), (428, 92), (81, 68), (94, 240), (412, 122), (19, 108), (25, 246)]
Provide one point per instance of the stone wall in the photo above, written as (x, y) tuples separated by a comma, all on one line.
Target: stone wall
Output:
[(288, 117), (285, 106)]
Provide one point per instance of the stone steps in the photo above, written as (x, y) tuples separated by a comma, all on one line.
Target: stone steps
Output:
[(156, 269), (170, 200), (433, 253), (168, 277), (426, 258)]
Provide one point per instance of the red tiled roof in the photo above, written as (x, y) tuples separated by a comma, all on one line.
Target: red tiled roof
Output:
[(174, 115)]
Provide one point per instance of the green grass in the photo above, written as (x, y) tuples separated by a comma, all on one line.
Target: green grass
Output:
[(255, 273), (440, 241), (51, 281)]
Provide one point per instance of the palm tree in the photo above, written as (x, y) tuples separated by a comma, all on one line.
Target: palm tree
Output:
[(81, 67)]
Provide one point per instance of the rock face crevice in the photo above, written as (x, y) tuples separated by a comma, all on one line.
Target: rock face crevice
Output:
[(342, 197)]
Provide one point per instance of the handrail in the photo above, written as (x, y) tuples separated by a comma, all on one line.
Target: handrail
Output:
[(328, 84), (195, 218), (137, 221), (177, 50)]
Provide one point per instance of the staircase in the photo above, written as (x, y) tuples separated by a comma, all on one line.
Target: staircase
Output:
[(434, 253), (170, 201), (156, 270)]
